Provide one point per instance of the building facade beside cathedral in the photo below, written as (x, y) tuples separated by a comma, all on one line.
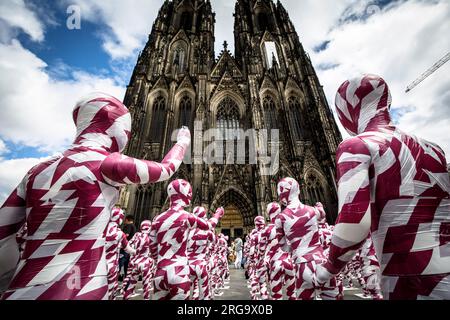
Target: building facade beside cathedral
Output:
[(269, 83)]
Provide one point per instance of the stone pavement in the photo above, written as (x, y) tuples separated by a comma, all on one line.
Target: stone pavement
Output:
[(237, 289), (238, 286)]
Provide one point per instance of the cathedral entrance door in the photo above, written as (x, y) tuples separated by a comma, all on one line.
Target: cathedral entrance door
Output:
[(232, 223)]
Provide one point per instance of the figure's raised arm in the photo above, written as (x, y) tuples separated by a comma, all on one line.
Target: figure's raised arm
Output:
[(217, 216), (120, 170), (196, 222)]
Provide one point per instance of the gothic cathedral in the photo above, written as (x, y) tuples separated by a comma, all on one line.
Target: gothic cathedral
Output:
[(269, 83)]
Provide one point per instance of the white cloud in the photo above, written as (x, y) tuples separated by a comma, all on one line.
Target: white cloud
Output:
[(314, 19), (399, 43), (12, 172), (14, 14), (127, 24), (37, 109), (224, 24), (3, 148)]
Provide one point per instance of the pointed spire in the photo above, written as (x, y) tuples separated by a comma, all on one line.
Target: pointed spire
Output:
[(274, 60)]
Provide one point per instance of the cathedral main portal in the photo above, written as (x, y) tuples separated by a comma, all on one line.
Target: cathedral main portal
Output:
[(239, 212), (232, 223)]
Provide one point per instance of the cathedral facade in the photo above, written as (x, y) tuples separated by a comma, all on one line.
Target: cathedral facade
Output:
[(269, 83)]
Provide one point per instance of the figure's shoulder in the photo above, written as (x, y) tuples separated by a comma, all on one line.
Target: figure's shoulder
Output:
[(429, 146), (282, 216), (354, 145), (37, 169), (157, 220), (311, 210), (185, 216)]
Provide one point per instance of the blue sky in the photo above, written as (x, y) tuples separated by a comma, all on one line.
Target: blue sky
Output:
[(80, 49), (45, 67)]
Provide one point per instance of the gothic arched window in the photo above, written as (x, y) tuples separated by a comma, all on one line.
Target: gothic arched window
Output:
[(228, 117), (295, 118), (179, 57), (263, 21), (314, 190), (185, 111), (270, 113), (186, 21), (158, 119)]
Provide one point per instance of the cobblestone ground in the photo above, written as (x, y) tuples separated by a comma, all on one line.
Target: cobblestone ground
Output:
[(237, 289)]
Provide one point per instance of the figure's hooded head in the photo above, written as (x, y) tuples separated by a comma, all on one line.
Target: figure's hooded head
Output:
[(145, 226), (117, 216), (288, 191), (180, 193), (200, 212), (321, 215), (102, 121), (273, 210), (259, 222), (363, 104)]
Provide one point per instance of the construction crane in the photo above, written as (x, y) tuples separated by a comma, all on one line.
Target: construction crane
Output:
[(429, 72)]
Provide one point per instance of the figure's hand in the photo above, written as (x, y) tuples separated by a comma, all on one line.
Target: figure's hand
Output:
[(220, 212), (184, 137)]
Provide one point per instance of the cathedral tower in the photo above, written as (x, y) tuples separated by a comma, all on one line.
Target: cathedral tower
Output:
[(270, 83)]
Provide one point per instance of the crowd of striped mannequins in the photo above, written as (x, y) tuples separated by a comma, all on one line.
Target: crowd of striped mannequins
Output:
[(201, 275), (59, 234), (270, 266)]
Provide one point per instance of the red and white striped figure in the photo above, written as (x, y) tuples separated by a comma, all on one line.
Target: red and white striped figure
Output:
[(212, 265), (370, 270), (67, 202), (257, 248), (222, 271), (141, 264), (223, 242), (325, 230), (246, 251), (351, 271), (325, 235), (198, 246), (115, 240), (168, 243), (395, 186), (278, 262), (251, 264), (215, 260), (297, 226)]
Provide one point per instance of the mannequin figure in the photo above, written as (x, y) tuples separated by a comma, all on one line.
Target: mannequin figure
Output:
[(115, 240), (67, 202), (168, 242), (396, 187)]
